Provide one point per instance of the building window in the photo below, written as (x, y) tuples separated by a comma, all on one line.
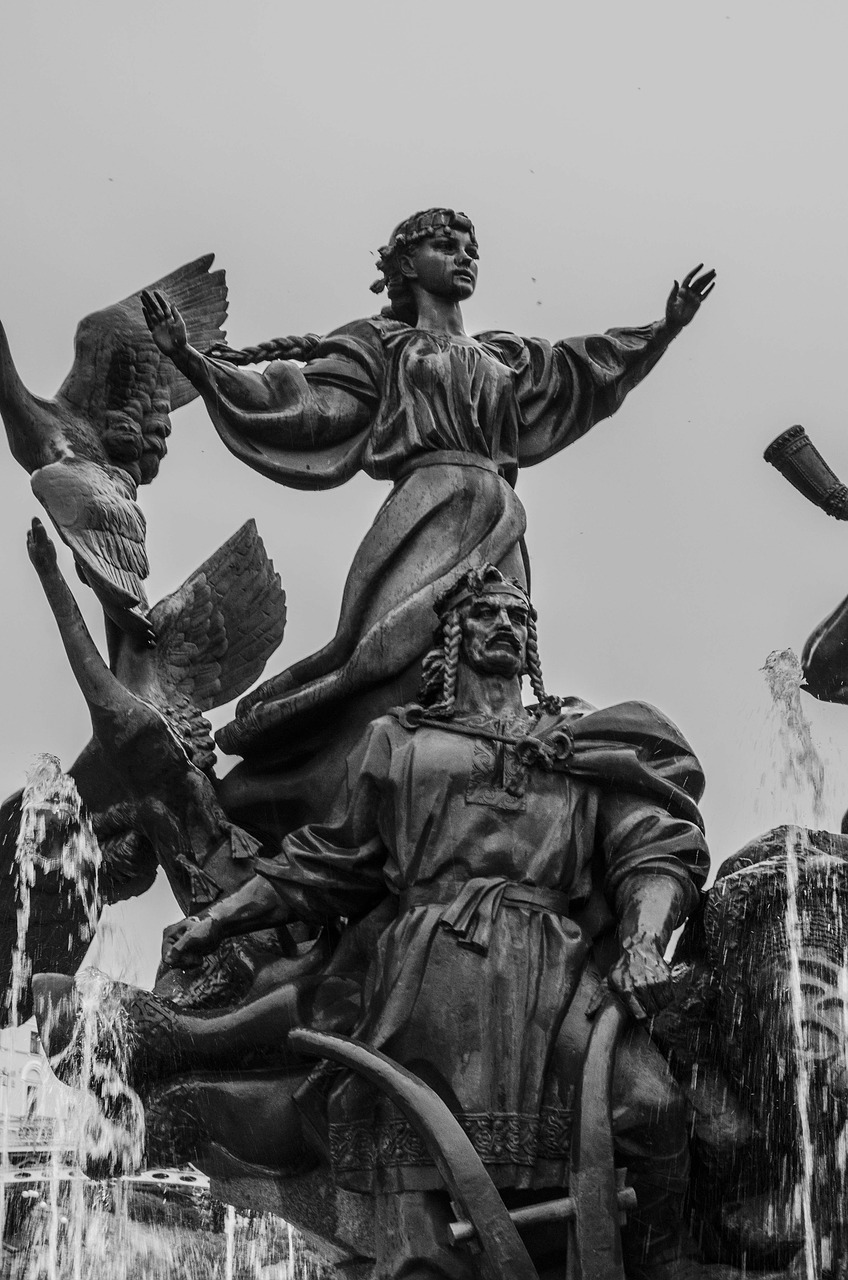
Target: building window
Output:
[(34, 1042)]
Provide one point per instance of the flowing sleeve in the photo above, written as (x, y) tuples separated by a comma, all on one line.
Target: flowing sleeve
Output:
[(304, 426), (638, 836), (564, 388), (337, 869)]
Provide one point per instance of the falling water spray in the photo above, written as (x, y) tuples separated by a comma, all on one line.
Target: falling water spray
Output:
[(803, 784), (55, 838)]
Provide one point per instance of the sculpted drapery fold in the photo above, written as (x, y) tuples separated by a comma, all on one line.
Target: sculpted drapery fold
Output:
[(449, 421), (375, 393), (486, 882)]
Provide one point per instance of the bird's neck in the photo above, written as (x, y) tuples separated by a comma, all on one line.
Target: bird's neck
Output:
[(13, 393), (25, 418)]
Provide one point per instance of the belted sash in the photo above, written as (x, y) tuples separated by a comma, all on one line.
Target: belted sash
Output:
[(442, 458), (471, 912)]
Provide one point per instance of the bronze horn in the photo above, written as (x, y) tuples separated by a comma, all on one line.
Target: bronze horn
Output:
[(798, 459)]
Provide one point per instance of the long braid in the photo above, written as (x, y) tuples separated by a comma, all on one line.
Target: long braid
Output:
[(452, 640), (420, 226), (292, 348), (432, 676), (547, 701)]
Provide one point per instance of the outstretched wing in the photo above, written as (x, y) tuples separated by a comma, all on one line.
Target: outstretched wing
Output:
[(214, 635), (216, 632), (94, 510), (121, 381)]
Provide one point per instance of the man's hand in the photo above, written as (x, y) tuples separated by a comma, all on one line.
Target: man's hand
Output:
[(185, 943), (641, 977), (687, 296), (165, 323)]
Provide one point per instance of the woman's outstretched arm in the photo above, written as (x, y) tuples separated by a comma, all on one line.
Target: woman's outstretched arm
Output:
[(277, 421), (565, 388)]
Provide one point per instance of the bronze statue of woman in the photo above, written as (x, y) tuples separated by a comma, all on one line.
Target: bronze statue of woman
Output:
[(406, 396)]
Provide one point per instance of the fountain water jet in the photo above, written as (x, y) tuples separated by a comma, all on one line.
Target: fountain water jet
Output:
[(55, 838), (803, 780)]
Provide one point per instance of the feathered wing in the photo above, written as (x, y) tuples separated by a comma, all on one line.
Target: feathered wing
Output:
[(214, 635), (121, 381), (94, 510)]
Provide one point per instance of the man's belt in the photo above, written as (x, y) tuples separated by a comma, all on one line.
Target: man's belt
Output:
[(472, 910)]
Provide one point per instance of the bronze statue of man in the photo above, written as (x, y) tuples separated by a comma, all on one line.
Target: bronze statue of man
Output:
[(531, 853)]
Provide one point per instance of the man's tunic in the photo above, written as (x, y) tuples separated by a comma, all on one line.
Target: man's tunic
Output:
[(491, 841)]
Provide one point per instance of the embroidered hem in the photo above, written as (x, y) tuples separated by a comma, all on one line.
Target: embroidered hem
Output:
[(361, 1147)]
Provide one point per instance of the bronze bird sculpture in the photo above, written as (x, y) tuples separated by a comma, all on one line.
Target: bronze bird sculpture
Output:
[(104, 433), (146, 776)]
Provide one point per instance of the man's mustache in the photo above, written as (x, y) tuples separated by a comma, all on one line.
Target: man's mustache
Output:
[(505, 637)]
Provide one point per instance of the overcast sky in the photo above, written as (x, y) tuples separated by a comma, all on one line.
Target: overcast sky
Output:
[(602, 150)]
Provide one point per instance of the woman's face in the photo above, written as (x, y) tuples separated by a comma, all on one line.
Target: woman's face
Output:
[(444, 265)]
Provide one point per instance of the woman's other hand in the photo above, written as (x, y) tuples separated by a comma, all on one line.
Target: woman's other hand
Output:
[(687, 296), (165, 323)]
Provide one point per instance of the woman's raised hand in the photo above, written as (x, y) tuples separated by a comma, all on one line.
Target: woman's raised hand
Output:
[(687, 296), (165, 323)]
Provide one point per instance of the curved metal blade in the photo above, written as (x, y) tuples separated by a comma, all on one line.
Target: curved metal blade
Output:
[(464, 1173), (596, 1239)]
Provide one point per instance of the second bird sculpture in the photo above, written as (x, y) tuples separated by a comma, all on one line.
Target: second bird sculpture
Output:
[(104, 433)]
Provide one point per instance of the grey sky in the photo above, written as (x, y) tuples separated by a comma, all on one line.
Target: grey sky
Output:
[(601, 150)]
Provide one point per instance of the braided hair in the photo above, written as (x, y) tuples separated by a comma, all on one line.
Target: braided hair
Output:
[(401, 300), (419, 226), (549, 702), (439, 669), (292, 348), (437, 691)]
